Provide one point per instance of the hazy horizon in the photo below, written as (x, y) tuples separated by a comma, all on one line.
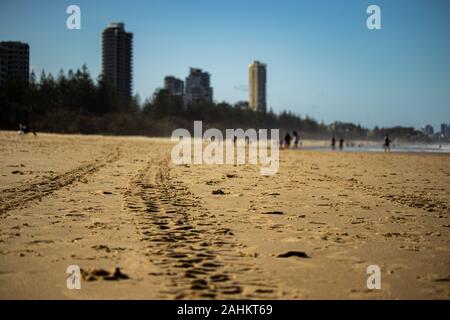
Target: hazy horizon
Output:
[(322, 61)]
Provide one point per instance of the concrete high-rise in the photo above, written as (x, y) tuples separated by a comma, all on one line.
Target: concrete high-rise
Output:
[(257, 86), (198, 87), (14, 61), (444, 130), (174, 86), (117, 59), (428, 130)]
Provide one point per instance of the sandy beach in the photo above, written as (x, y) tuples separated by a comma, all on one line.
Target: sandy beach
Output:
[(218, 231)]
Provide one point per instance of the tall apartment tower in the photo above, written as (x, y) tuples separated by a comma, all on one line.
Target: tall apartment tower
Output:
[(444, 130), (198, 87), (428, 130), (14, 61), (257, 86), (117, 58), (174, 86)]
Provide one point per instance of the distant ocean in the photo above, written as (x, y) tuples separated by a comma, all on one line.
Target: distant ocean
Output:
[(415, 148)]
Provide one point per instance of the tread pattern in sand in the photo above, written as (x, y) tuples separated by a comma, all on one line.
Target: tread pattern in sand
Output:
[(420, 200), (198, 258), (21, 195)]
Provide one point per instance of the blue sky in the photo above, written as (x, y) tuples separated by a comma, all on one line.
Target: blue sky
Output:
[(322, 60)]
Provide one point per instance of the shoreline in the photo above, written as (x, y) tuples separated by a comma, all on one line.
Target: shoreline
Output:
[(321, 145)]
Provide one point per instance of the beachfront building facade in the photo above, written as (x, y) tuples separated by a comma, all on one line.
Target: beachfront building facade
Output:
[(14, 61), (198, 89), (257, 74), (117, 59)]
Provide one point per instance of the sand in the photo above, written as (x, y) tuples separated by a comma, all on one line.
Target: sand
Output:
[(218, 231)]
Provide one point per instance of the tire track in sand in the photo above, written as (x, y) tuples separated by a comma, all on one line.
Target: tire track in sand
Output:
[(20, 196), (196, 256), (418, 200)]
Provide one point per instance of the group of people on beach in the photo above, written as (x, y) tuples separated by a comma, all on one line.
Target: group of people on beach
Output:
[(286, 142), (386, 144), (333, 143)]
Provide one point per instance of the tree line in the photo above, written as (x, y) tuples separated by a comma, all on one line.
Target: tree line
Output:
[(74, 103)]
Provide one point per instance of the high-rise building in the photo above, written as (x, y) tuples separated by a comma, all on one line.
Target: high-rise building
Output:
[(257, 86), (174, 86), (198, 87), (428, 130), (444, 130), (14, 61), (117, 59), (3, 63)]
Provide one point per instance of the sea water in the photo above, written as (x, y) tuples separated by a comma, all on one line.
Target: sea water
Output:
[(395, 147)]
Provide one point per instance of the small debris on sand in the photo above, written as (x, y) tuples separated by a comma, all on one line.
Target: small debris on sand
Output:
[(298, 254)]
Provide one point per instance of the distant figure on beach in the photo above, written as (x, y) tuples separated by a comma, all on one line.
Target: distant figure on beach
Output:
[(287, 140), (23, 129), (333, 143), (296, 139), (341, 143), (387, 144)]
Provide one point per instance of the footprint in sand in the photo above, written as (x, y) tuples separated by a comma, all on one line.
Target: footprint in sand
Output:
[(95, 274)]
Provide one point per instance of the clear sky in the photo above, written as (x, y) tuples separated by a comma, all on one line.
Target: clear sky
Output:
[(322, 60)]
